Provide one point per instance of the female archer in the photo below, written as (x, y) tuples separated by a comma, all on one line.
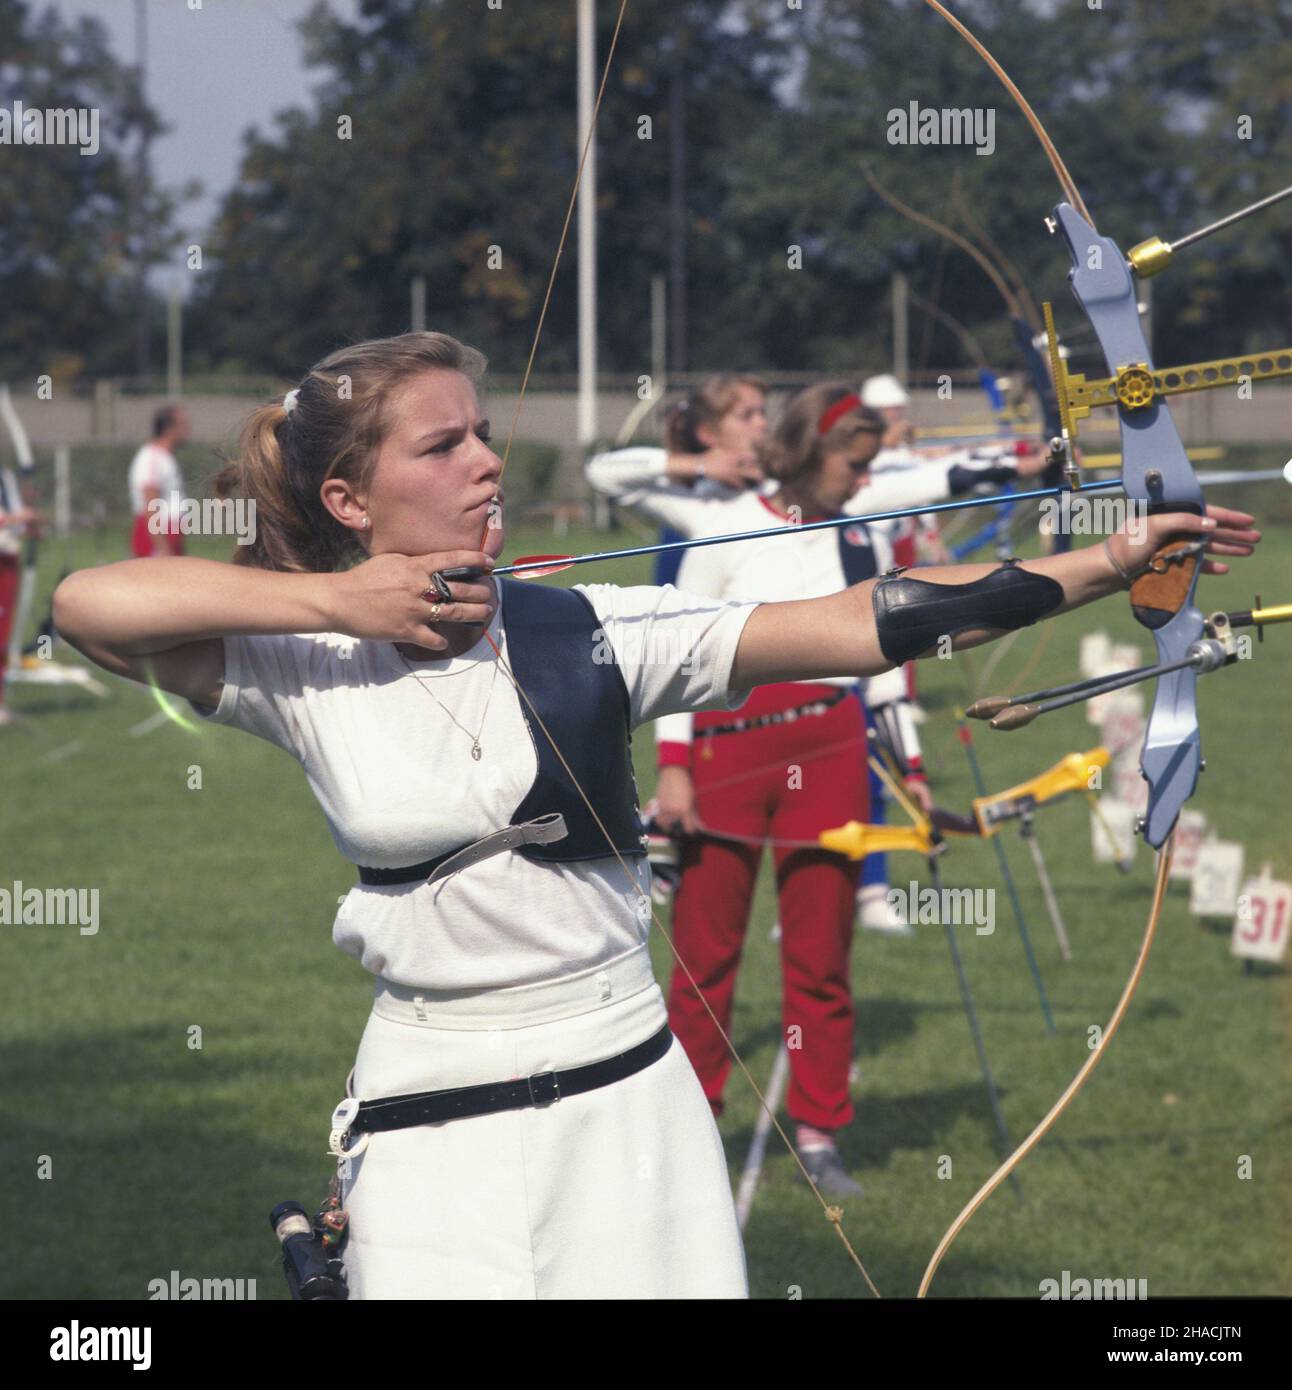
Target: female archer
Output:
[(522, 1124), (711, 442)]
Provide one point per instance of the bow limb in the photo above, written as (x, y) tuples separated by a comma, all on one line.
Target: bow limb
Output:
[(1066, 1099), (1030, 312), (1003, 288), (1056, 161), (967, 340), (833, 1214), (1012, 291), (1157, 470)]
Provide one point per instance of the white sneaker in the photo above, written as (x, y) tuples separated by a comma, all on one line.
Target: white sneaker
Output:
[(876, 913), (825, 1168)]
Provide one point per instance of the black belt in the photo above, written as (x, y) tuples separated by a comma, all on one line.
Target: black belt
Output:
[(430, 1107), (780, 716)]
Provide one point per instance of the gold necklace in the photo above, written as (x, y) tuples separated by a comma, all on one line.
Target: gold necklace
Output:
[(476, 751)]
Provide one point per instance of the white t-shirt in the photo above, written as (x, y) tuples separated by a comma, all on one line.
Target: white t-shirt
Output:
[(793, 566), (638, 478), (805, 566), (155, 467), (397, 783)]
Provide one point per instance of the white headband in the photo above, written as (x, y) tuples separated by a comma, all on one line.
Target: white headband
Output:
[(290, 399)]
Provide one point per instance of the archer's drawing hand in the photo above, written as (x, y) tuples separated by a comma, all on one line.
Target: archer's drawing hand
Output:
[(390, 598), (733, 468)]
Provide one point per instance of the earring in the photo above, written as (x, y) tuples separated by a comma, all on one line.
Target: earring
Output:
[(365, 523)]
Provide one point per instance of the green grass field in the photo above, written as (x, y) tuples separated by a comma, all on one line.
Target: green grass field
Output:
[(216, 912)]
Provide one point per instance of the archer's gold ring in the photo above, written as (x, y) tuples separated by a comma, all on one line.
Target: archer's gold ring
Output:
[(435, 612)]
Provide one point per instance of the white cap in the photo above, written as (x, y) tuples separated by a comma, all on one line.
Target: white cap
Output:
[(882, 392)]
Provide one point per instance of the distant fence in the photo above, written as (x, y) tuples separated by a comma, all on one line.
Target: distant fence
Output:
[(108, 416)]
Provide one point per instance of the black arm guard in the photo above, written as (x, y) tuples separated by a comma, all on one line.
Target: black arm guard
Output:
[(911, 615)]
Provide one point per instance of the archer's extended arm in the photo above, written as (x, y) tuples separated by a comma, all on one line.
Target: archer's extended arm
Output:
[(880, 623)]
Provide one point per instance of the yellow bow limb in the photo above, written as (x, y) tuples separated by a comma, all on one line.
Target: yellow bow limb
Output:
[(857, 840), (1070, 774)]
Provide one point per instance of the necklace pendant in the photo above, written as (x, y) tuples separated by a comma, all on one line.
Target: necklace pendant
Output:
[(475, 751)]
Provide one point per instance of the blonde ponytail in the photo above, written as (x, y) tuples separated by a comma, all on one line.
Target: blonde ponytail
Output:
[(335, 430)]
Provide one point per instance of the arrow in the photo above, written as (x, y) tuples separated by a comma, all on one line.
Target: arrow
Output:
[(537, 566)]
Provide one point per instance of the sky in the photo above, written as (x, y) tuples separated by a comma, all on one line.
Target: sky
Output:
[(213, 71)]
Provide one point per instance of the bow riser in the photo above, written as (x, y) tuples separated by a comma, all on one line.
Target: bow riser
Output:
[(1156, 470)]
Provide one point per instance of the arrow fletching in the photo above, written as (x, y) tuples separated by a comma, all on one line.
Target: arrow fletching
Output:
[(536, 566)]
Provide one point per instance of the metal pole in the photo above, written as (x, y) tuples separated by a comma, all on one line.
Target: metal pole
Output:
[(62, 491), (1027, 829), (643, 407), (143, 326), (677, 219), (417, 304), (174, 343), (758, 1145), (658, 330), (1011, 887), (587, 423), (993, 1096), (901, 328)]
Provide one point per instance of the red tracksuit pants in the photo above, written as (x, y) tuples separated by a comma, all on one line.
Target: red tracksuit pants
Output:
[(782, 782), (144, 543)]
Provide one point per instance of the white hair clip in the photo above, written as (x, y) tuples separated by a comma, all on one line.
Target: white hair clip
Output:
[(290, 399)]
